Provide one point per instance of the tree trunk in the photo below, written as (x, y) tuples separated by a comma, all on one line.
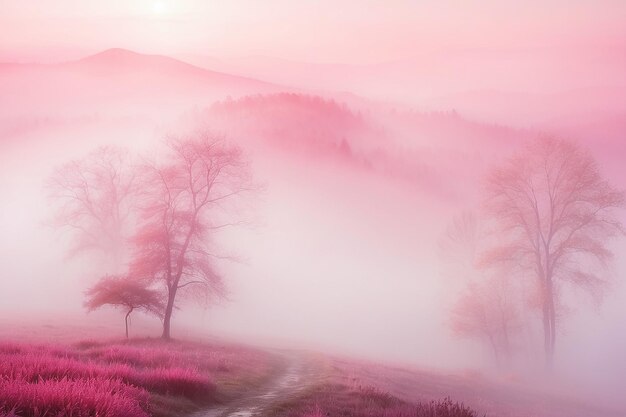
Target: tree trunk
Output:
[(496, 354), (506, 344), (126, 320), (552, 324), (547, 332), (166, 325), (174, 280), (549, 324), (169, 308)]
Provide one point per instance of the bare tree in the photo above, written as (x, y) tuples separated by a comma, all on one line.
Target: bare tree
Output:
[(183, 200), (487, 311), (486, 307), (130, 294), (94, 200), (554, 214), (459, 246)]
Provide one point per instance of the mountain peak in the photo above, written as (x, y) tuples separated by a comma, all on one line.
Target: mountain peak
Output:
[(122, 62), (113, 55), (116, 59)]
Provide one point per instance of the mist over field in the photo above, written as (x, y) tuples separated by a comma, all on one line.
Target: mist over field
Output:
[(365, 143)]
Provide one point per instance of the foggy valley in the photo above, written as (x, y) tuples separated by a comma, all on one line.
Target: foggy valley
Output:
[(223, 209)]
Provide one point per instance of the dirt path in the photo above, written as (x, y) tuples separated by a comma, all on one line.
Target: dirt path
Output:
[(298, 372)]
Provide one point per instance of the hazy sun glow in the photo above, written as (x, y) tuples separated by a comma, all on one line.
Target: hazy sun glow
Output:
[(159, 7)]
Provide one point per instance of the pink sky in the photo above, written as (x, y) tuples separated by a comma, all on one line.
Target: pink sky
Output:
[(349, 31)]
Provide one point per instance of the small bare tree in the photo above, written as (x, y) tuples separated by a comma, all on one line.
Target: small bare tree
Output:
[(487, 311), (183, 199), (127, 293), (93, 197), (486, 307), (554, 214)]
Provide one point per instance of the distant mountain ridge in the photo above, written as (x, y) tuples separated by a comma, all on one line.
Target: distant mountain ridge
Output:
[(117, 59), (117, 81)]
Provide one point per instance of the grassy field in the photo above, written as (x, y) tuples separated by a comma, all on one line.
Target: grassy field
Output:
[(138, 378), (333, 399), (105, 377), (490, 395), (335, 391), (149, 377)]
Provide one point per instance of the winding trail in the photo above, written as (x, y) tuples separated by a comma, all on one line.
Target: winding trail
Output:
[(298, 371)]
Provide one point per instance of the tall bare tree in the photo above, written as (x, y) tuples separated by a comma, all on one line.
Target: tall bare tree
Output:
[(459, 248), (554, 214), (183, 203), (93, 198)]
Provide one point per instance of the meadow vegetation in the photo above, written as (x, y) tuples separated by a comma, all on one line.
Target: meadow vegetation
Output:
[(121, 379), (333, 398)]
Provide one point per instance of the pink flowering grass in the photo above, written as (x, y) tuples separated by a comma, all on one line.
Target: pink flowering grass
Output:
[(32, 367), (85, 397), (100, 380), (214, 359)]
